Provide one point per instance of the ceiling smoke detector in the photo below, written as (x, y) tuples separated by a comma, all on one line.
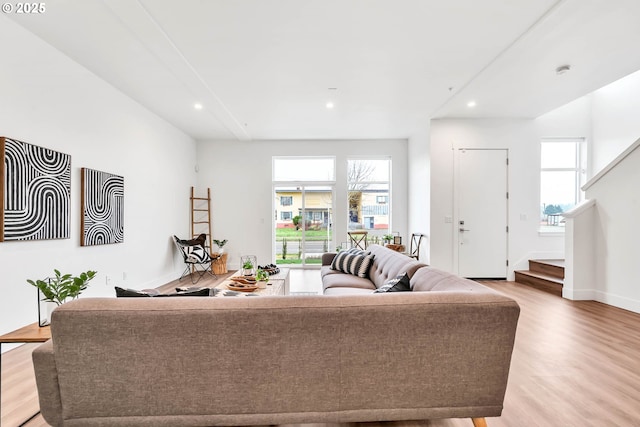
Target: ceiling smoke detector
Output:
[(562, 69)]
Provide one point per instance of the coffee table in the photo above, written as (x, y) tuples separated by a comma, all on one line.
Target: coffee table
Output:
[(278, 284)]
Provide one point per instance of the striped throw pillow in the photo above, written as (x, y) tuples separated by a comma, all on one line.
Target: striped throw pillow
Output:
[(353, 263)]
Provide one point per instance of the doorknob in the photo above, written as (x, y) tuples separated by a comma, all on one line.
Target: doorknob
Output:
[(462, 230)]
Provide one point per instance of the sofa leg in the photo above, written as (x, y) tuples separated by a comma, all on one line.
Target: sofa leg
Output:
[(479, 422)]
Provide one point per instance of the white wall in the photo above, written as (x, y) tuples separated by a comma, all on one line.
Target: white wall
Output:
[(521, 138), (616, 108), (59, 105), (239, 175), (616, 235), (419, 190)]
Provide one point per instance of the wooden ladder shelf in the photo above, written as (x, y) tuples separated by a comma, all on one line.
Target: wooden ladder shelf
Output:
[(201, 216)]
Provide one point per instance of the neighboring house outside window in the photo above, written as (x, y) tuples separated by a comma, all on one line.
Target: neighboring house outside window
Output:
[(286, 200), (368, 196), (562, 173), (285, 216)]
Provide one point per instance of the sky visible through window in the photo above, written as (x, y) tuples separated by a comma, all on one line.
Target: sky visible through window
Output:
[(304, 169), (559, 182)]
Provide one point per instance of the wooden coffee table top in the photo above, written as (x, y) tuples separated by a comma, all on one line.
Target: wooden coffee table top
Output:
[(274, 287), (29, 333)]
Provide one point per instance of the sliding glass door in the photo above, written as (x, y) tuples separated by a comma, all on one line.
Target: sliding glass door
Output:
[(303, 209)]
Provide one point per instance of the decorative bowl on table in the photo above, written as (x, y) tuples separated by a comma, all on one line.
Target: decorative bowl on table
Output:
[(245, 280), (242, 287)]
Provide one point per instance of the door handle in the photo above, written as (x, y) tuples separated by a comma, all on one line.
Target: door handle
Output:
[(462, 230)]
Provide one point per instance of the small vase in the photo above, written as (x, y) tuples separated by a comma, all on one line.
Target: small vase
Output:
[(50, 307)]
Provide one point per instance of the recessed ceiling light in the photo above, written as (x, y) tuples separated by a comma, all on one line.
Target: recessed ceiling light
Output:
[(471, 104), (197, 106), (563, 69), (329, 105)]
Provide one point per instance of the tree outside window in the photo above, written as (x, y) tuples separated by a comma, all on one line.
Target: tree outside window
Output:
[(368, 188)]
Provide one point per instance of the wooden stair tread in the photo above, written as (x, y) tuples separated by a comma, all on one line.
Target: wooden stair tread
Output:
[(550, 267), (542, 276), (554, 262)]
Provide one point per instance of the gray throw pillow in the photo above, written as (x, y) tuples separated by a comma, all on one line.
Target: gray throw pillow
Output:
[(121, 292), (398, 284)]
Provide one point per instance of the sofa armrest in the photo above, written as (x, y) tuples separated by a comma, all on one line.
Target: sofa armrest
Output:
[(44, 365), (328, 257)]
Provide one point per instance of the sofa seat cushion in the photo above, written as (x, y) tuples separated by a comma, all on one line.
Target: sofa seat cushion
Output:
[(343, 280), (348, 291), (429, 279)]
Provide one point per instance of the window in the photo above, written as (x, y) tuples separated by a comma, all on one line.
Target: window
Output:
[(285, 216), (561, 176), (313, 169), (303, 191), (368, 192)]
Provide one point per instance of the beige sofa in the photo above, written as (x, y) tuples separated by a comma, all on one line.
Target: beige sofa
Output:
[(387, 264), (276, 360)]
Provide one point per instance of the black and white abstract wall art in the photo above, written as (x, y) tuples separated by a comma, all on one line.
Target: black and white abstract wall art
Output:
[(36, 192), (102, 208)]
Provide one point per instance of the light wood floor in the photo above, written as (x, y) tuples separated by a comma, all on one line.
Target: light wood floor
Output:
[(574, 364)]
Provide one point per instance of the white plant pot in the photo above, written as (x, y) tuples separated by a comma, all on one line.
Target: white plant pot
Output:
[(50, 307)]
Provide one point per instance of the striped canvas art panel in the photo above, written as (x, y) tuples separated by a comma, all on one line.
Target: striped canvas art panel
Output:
[(102, 219), (36, 192)]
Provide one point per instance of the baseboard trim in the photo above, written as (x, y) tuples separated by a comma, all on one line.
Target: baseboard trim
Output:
[(618, 301)]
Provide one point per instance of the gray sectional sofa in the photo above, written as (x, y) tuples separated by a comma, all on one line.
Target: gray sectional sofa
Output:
[(333, 358), (388, 264)]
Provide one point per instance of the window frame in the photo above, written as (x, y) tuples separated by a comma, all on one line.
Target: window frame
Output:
[(388, 183), (579, 169), (288, 198)]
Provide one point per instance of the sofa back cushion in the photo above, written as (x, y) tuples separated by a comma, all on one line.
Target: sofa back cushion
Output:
[(130, 361), (388, 264)]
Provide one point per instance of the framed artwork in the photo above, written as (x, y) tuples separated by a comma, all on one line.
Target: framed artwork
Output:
[(102, 204), (35, 193)]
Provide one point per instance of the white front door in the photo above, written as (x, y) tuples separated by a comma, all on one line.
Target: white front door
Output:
[(482, 200)]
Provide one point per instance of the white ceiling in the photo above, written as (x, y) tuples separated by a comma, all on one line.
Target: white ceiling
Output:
[(262, 69)]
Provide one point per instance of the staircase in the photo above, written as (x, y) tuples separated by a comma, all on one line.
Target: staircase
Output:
[(544, 274)]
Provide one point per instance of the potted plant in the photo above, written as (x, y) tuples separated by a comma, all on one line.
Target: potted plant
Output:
[(248, 263), (262, 277), (220, 244), (388, 238), (60, 288)]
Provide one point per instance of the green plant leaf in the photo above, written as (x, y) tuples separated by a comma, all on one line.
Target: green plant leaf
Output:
[(62, 287)]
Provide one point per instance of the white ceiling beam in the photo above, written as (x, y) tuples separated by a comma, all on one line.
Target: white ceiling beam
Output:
[(142, 25)]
